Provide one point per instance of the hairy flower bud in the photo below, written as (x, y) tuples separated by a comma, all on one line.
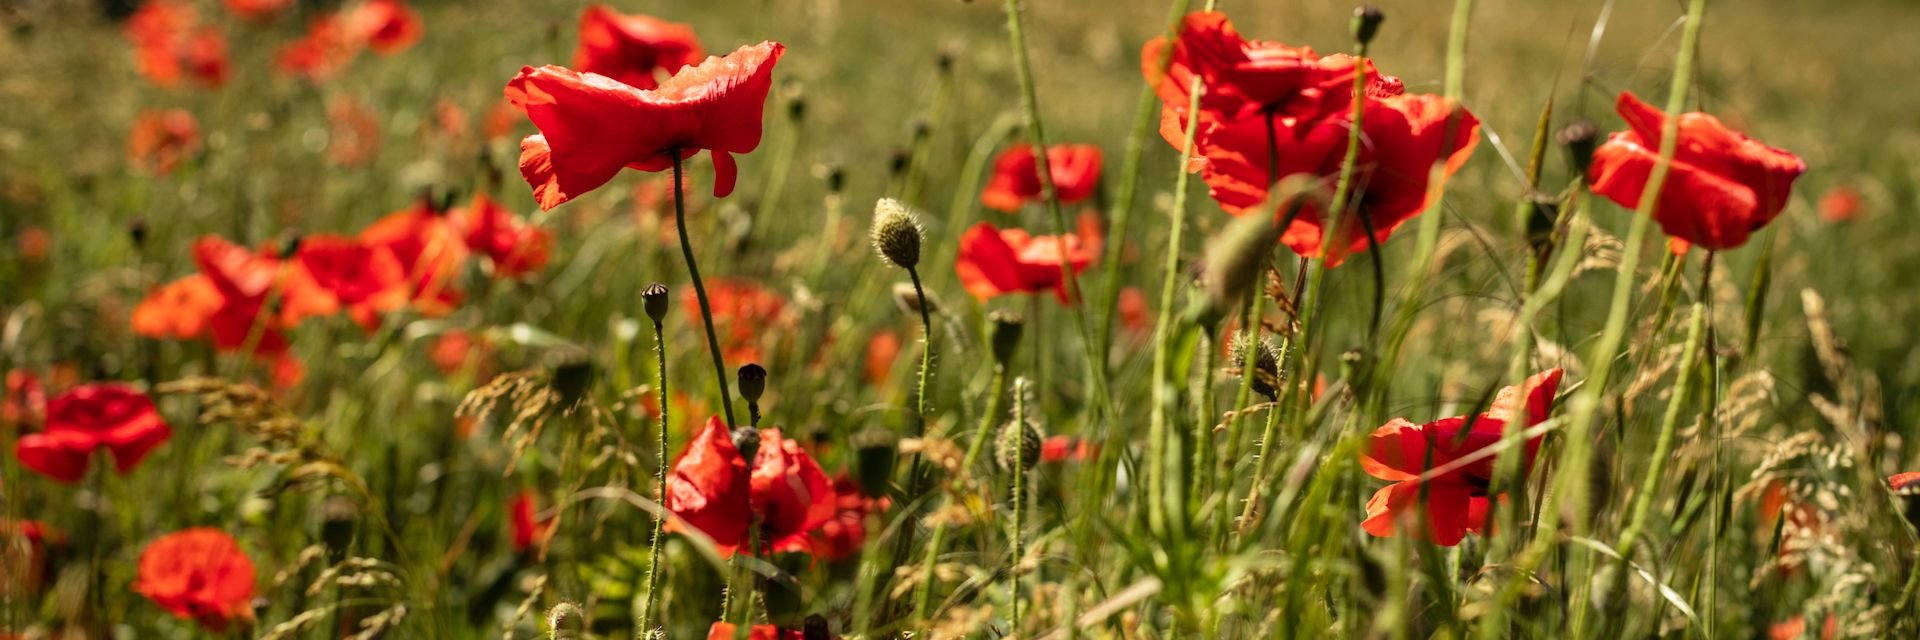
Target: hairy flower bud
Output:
[(896, 234), (1266, 363), (1019, 446)]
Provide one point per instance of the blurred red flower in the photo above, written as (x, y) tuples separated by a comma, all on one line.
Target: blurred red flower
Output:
[(746, 316), (90, 417), (327, 47), (248, 282), (26, 564), (169, 45), (713, 490), (257, 10), (199, 574), (994, 262), (882, 349), (634, 50), (592, 126), (726, 630), (162, 140), (843, 536), (1067, 449), (1456, 501), (510, 244), (25, 402), (353, 132), (179, 310), (386, 26), (33, 244), (1135, 316), (365, 279), (455, 349), (429, 250), (1841, 204), (1016, 175), (527, 530), (1721, 188)]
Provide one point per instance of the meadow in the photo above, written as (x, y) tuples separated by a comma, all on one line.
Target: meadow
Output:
[(430, 319)]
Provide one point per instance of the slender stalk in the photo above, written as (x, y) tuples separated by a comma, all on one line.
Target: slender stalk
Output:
[(923, 594), (926, 351), (659, 480), (1159, 475), (699, 289), (1019, 498), (1662, 448)]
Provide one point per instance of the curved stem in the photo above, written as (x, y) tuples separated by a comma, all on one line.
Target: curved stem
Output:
[(699, 290)]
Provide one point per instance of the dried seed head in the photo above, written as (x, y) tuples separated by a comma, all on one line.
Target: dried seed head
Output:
[(656, 300), (747, 440), (1266, 363), (571, 375), (896, 234), (874, 452), (753, 381), (1366, 23), (1004, 333), (1580, 138)]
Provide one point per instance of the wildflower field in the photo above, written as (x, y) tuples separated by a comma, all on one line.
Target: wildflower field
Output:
[(1043, 319)]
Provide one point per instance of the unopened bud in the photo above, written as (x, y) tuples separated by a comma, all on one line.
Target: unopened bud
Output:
[(753, 381), (571, 375), (815, 628), (1366, 23), (1580, 138), (656, 300), (1266, 363), (836, 179), (874, 451), (1542, 213), (137, 231), (897, 162), (1019, 446), (1004, 333), (896, 233), (1234, 261)]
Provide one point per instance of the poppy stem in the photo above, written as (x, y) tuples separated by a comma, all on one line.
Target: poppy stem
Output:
[(699, 288), (1663, 445), (1019, 498), (1161, 476), (659, 480), (923, 594)]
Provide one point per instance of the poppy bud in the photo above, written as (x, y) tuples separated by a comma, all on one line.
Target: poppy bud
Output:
[(897, 162), (896, 234), (655, 299), (1580, 138), (338, 514), (910, 300), (797, 107), (921, 129), (1019, 446), (1366, 23), (1542, 213), (780, 592), (874, 451), (572, 375), (1004, 334), (1234, 261), (836, 179), (753, 382), (944, 62), (137, 231), (747, 441), (815, 628), (1266, 363)]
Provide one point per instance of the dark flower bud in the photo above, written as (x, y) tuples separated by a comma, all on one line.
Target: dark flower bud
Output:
[(922, 129), (896, 234), (292, 245), (572, 375), (1366, 23), (1266, 363), (910, 300), (1004, 334), (1580, 138), (945, 62), (815, 628), (1234, 261), (836, 179), (874, 451), (1542, 213), (1019, 446), (797, 106), (897, 162), (137, 231), (753, 381), (655, 299), (338, 519), (747, 440)]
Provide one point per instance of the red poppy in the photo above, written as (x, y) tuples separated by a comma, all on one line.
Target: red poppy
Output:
[(25, 401), (1016, 175), (513, 246), (882, 350), (455, 349), (248, 282), (386, 26), (170, 45), (429, 250), (527, 530), (97, 416), (1135, 317), (1721, 187), (1841, 204), (591, 126), (1456, 501), (366, 279), (993, 262), (353, 132), (1796, 627), (178, 310), (725, 631), (34, 242), (1904, 480), (747, 316), (327, 47), (635, 50), (843, 536), (199, 574), (1067, 449), (162, 140), (257, 10), (712, 489), (501, 120)]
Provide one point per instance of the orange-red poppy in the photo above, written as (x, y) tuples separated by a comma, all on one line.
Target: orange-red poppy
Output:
[(592, 126), (1135, 316), (746, 316), (365, 279), (1456, 501), (511, 245), (1067, 449), (430, 252), (91, 417), (635, 50), (386, 26), (353, 132), (25, 400), (257, 10), (843, 536), (726, 631), (1016, 175), (33, 244), (1841, 204), (27, 564), (162, 140), (714, 490), (199, 574), (994, 262), (248, 281), (171, 45), (179, 310), (523, 523), (1721, 187), (328, 47), (882, 350)]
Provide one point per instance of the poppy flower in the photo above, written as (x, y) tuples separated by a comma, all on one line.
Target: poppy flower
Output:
[(882, 350), (1135, 317), (353, 132), (1067, 449), (592, 126), (726, 630), (1016, 175), (429, 250), (162, 140), (327, 47), (199, 574), (1841, 204), (510, 244), (455, 348), (179, 310), (33, 244), (365, 279), (25, 399), (500, 121), (27, 564), (386, 26), (994, 262), (1721, 187), (1456, 501), (90, 417), (257, 10), (526, 529), (634, 50), (170, 45), (714, 490), (747, 316), (843, 536), (248, 281)]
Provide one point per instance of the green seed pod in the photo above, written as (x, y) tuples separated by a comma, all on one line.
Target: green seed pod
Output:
[(1004, 334), (656, 300), (753, 381), (896, 234)]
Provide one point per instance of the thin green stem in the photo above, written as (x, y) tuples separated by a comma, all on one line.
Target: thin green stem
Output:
[(1159, 475), (699, 290), (1662, 448), (659, 480)]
